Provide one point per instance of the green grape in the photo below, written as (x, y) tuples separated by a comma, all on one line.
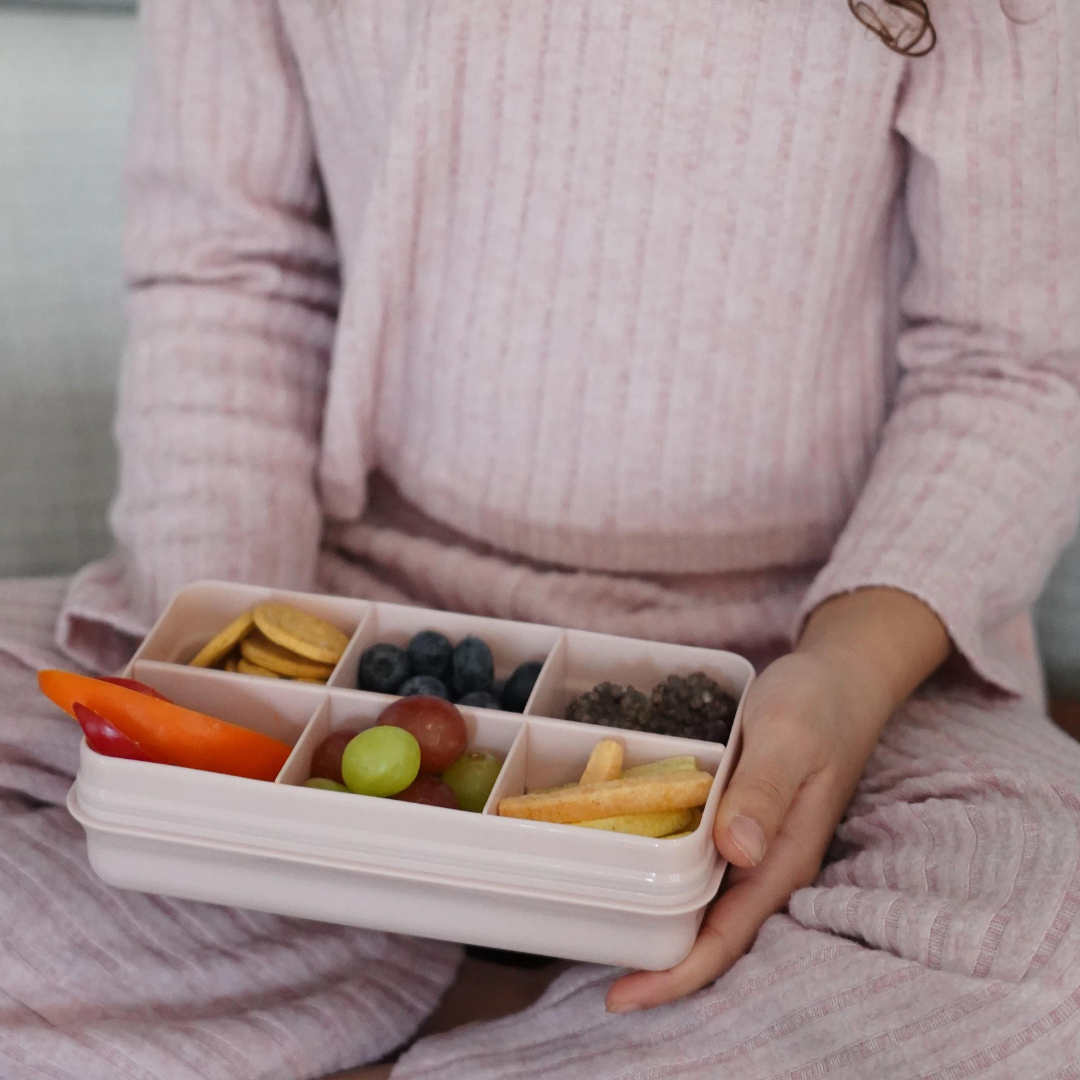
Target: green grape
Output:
[(381, 761), (471, 779), (322, 784)]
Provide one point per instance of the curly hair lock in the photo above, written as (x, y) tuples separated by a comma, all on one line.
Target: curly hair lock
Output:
[(914, 37)]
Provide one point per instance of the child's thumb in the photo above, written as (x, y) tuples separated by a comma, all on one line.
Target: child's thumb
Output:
[(757, 798)]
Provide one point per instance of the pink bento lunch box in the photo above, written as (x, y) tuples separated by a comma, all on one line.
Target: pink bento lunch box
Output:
[(481, 879)]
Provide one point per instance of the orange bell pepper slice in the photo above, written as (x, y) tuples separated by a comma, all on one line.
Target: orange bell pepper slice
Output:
[(170, 733)]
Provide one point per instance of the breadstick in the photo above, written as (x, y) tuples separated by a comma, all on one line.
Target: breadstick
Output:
[(557, 787), (638, 795), (664, 765), (683, 763), (605, 762)]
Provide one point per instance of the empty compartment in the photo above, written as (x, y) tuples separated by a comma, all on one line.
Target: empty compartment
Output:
[(586, 659), (511, 643), (200, 611)]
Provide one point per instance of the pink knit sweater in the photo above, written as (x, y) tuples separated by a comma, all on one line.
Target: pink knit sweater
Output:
[(608, 294)]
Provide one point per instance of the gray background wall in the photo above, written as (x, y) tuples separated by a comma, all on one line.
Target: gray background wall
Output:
[(65, 90)]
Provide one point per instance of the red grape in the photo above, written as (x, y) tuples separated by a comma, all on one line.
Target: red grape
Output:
[(430, 791), (326, 761), (105, 738), (435, 724)]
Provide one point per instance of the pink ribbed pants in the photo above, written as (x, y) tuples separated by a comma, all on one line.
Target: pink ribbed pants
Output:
[(942, 939)]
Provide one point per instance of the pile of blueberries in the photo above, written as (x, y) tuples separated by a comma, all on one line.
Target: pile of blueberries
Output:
[(430, 664)]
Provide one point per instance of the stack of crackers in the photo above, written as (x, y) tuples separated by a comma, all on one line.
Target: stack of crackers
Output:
[(660, 799), (275, 641)]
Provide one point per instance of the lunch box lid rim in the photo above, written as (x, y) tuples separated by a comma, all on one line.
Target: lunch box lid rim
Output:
[(674, 906)]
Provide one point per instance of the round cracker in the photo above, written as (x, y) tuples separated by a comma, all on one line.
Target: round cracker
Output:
[(246, 667), (260, 650), (301, 633), (219, 646)]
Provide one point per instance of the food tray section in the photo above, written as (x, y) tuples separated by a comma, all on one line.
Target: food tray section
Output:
[(483, 878), (200, 611), (511, 644)]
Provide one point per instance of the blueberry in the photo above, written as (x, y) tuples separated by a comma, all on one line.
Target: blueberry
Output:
[(473, 666), (430, 653), (479, 699), (520, 685), (424, 684), (383, 668)]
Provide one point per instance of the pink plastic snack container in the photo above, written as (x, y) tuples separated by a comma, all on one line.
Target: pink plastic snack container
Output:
[(482, 879)]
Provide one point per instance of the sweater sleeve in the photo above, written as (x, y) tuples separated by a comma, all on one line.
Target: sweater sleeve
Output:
[(973, 491), (233, 290)]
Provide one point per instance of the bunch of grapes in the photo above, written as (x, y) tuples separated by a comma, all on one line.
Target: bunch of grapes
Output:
[(416, 752)]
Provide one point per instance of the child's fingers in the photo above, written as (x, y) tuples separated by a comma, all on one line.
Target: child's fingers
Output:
[(733, 921)]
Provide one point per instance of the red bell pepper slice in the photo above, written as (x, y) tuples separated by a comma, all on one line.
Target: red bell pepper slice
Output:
[(103, 738), (169, 733)]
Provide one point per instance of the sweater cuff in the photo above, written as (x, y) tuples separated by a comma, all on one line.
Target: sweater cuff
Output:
[(97, 625), (1000, 653)]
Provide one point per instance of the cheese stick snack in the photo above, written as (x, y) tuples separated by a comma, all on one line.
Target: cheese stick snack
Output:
[(658, 823), (605, 762), (690, 827), (612, 798)]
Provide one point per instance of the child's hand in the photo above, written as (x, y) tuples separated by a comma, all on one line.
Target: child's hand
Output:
[(810, 722)]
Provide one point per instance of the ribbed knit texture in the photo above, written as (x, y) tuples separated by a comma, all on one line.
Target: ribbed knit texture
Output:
[(614, 291), (102, 984)]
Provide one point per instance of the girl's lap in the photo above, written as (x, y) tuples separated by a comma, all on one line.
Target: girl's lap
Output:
[(940, 933)]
